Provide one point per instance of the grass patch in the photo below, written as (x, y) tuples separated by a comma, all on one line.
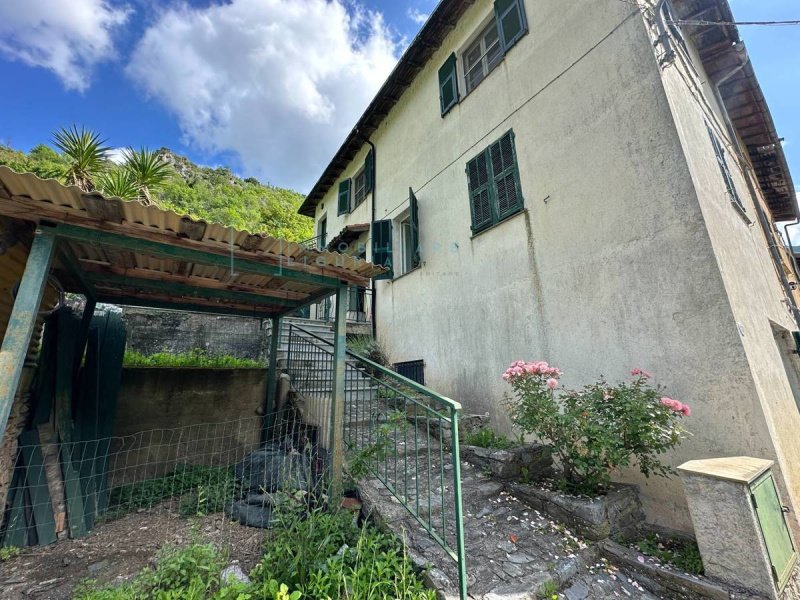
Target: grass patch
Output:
[(682, 554), (308, 556), (197, 358), (486, 438), (9, 552), (203, 490)]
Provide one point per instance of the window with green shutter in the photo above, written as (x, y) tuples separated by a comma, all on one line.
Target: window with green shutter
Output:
[(448, 84), (414, 217), (369, 171), (344, 197), (382, 247), (719, 153), (511, 22), (493, 182)]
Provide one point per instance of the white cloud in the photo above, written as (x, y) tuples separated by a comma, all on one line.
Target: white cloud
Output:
[(417, 16), (117, 155), (68, 38), (279, 82)]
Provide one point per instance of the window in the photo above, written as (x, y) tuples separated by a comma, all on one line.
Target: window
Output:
[(412, 369), (344, 197), (719, 152), (359, 187), (482, 56), (408, 236), (493, 182), (382, 247), (322, 233), (448, 85), (407, 245)]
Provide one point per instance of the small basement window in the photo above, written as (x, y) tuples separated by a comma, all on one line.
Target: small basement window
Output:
[(412, 369), (482, 56)]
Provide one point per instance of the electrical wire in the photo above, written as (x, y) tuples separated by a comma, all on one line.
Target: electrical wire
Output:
[(715, 23)]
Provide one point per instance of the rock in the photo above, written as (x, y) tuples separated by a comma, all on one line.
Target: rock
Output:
[(98, 566), (273, 469), (233, 573), (527, 461), (252, 515)]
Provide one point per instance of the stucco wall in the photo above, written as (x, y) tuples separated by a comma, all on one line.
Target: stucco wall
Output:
[(749, 275), (611, 265), (167, 417)]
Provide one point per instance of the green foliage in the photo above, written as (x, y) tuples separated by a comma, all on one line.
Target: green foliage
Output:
[(319, 555), (86, 152), (197, 358), (370, 348), (486, 438), (147, 170), (680, 553), (9, 552), (215, 195), (360, 460), (118, 183), (548, 590), (204, 490), (597, 429)]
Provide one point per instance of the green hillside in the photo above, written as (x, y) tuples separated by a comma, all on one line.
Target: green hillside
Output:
[(212, 194)]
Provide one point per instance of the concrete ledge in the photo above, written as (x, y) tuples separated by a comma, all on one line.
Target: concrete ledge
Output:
[(618, 512)]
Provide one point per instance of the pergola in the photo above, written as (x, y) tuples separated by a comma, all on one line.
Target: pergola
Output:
[(128, 253)]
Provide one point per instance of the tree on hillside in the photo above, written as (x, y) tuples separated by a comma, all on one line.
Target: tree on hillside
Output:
[(147, 170), (86, 153)]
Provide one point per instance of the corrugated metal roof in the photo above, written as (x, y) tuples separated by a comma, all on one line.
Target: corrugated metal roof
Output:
[(132, 272)]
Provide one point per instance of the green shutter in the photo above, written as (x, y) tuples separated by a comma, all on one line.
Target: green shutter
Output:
[(480, 191), (505, 175), (448, 84), (369, 172), (382, 247), (511, 22), (414, 210), (774, 530), (344, 197)]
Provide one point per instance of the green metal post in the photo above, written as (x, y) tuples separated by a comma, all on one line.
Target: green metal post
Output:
[(272, 371), (462, 562), (337, 403), (23, 321)]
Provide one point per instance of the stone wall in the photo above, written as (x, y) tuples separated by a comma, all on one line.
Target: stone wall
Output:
[(151, 331), (167, 417)]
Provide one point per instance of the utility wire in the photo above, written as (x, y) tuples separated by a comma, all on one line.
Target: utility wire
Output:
[(714, 23)]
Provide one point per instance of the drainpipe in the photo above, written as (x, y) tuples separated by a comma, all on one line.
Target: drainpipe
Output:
[(762, 217), (372, 221), (663, 34)]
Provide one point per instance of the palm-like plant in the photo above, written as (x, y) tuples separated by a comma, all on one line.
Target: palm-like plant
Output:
[(86, 152), (147, 169), (119, 183)]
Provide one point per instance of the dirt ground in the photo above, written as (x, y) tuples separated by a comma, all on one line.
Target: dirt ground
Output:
[(116, 551)]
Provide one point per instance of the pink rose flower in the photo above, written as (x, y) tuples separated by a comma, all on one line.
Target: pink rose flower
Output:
[(552, 383), (686, 411), (641, 373)]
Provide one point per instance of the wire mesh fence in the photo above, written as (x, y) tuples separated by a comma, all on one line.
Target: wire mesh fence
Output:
[(226, 470)]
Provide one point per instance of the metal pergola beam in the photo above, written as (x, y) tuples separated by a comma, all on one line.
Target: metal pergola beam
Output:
[(22, 322), (182, 253), (182, 289)]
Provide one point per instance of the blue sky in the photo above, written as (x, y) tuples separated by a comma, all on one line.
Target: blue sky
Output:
[(269, 87)]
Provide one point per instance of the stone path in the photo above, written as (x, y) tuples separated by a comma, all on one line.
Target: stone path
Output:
[(513, 552)]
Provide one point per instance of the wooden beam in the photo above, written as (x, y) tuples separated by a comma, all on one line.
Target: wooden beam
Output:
[(337, 404), (179, 304), (22, 321), (193, 280), (181, 252), (181, 289)]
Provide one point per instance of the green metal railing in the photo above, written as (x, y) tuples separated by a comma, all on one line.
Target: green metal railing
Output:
[(400, 432)]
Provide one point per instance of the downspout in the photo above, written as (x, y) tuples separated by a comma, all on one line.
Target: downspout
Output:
[(372, 221), (663, 34), (762, 217)]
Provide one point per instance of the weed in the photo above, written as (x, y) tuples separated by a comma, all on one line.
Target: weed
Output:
[(197, 358), (548, 590), (486, 438), (9, 552), (682, 554)]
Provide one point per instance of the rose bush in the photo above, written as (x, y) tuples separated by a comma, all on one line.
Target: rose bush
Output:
[(599, 428)]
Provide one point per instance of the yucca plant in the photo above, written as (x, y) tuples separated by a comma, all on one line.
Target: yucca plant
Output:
[(118, 182), (147, 169), (86, 152)]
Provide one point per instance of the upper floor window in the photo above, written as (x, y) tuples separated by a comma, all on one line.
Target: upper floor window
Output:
[(360, 187), (482, 56), (719, 152), (494, 187)]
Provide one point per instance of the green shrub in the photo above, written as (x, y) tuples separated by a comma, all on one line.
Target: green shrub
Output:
[(197, 358), (597, 429), (9, 552), (370, 348), (486, 438)]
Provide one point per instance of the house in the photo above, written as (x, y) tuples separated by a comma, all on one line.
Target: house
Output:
[(595, 184)]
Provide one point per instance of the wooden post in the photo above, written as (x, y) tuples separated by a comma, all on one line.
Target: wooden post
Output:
[(337, 404), (272, 371), (23, 321)]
